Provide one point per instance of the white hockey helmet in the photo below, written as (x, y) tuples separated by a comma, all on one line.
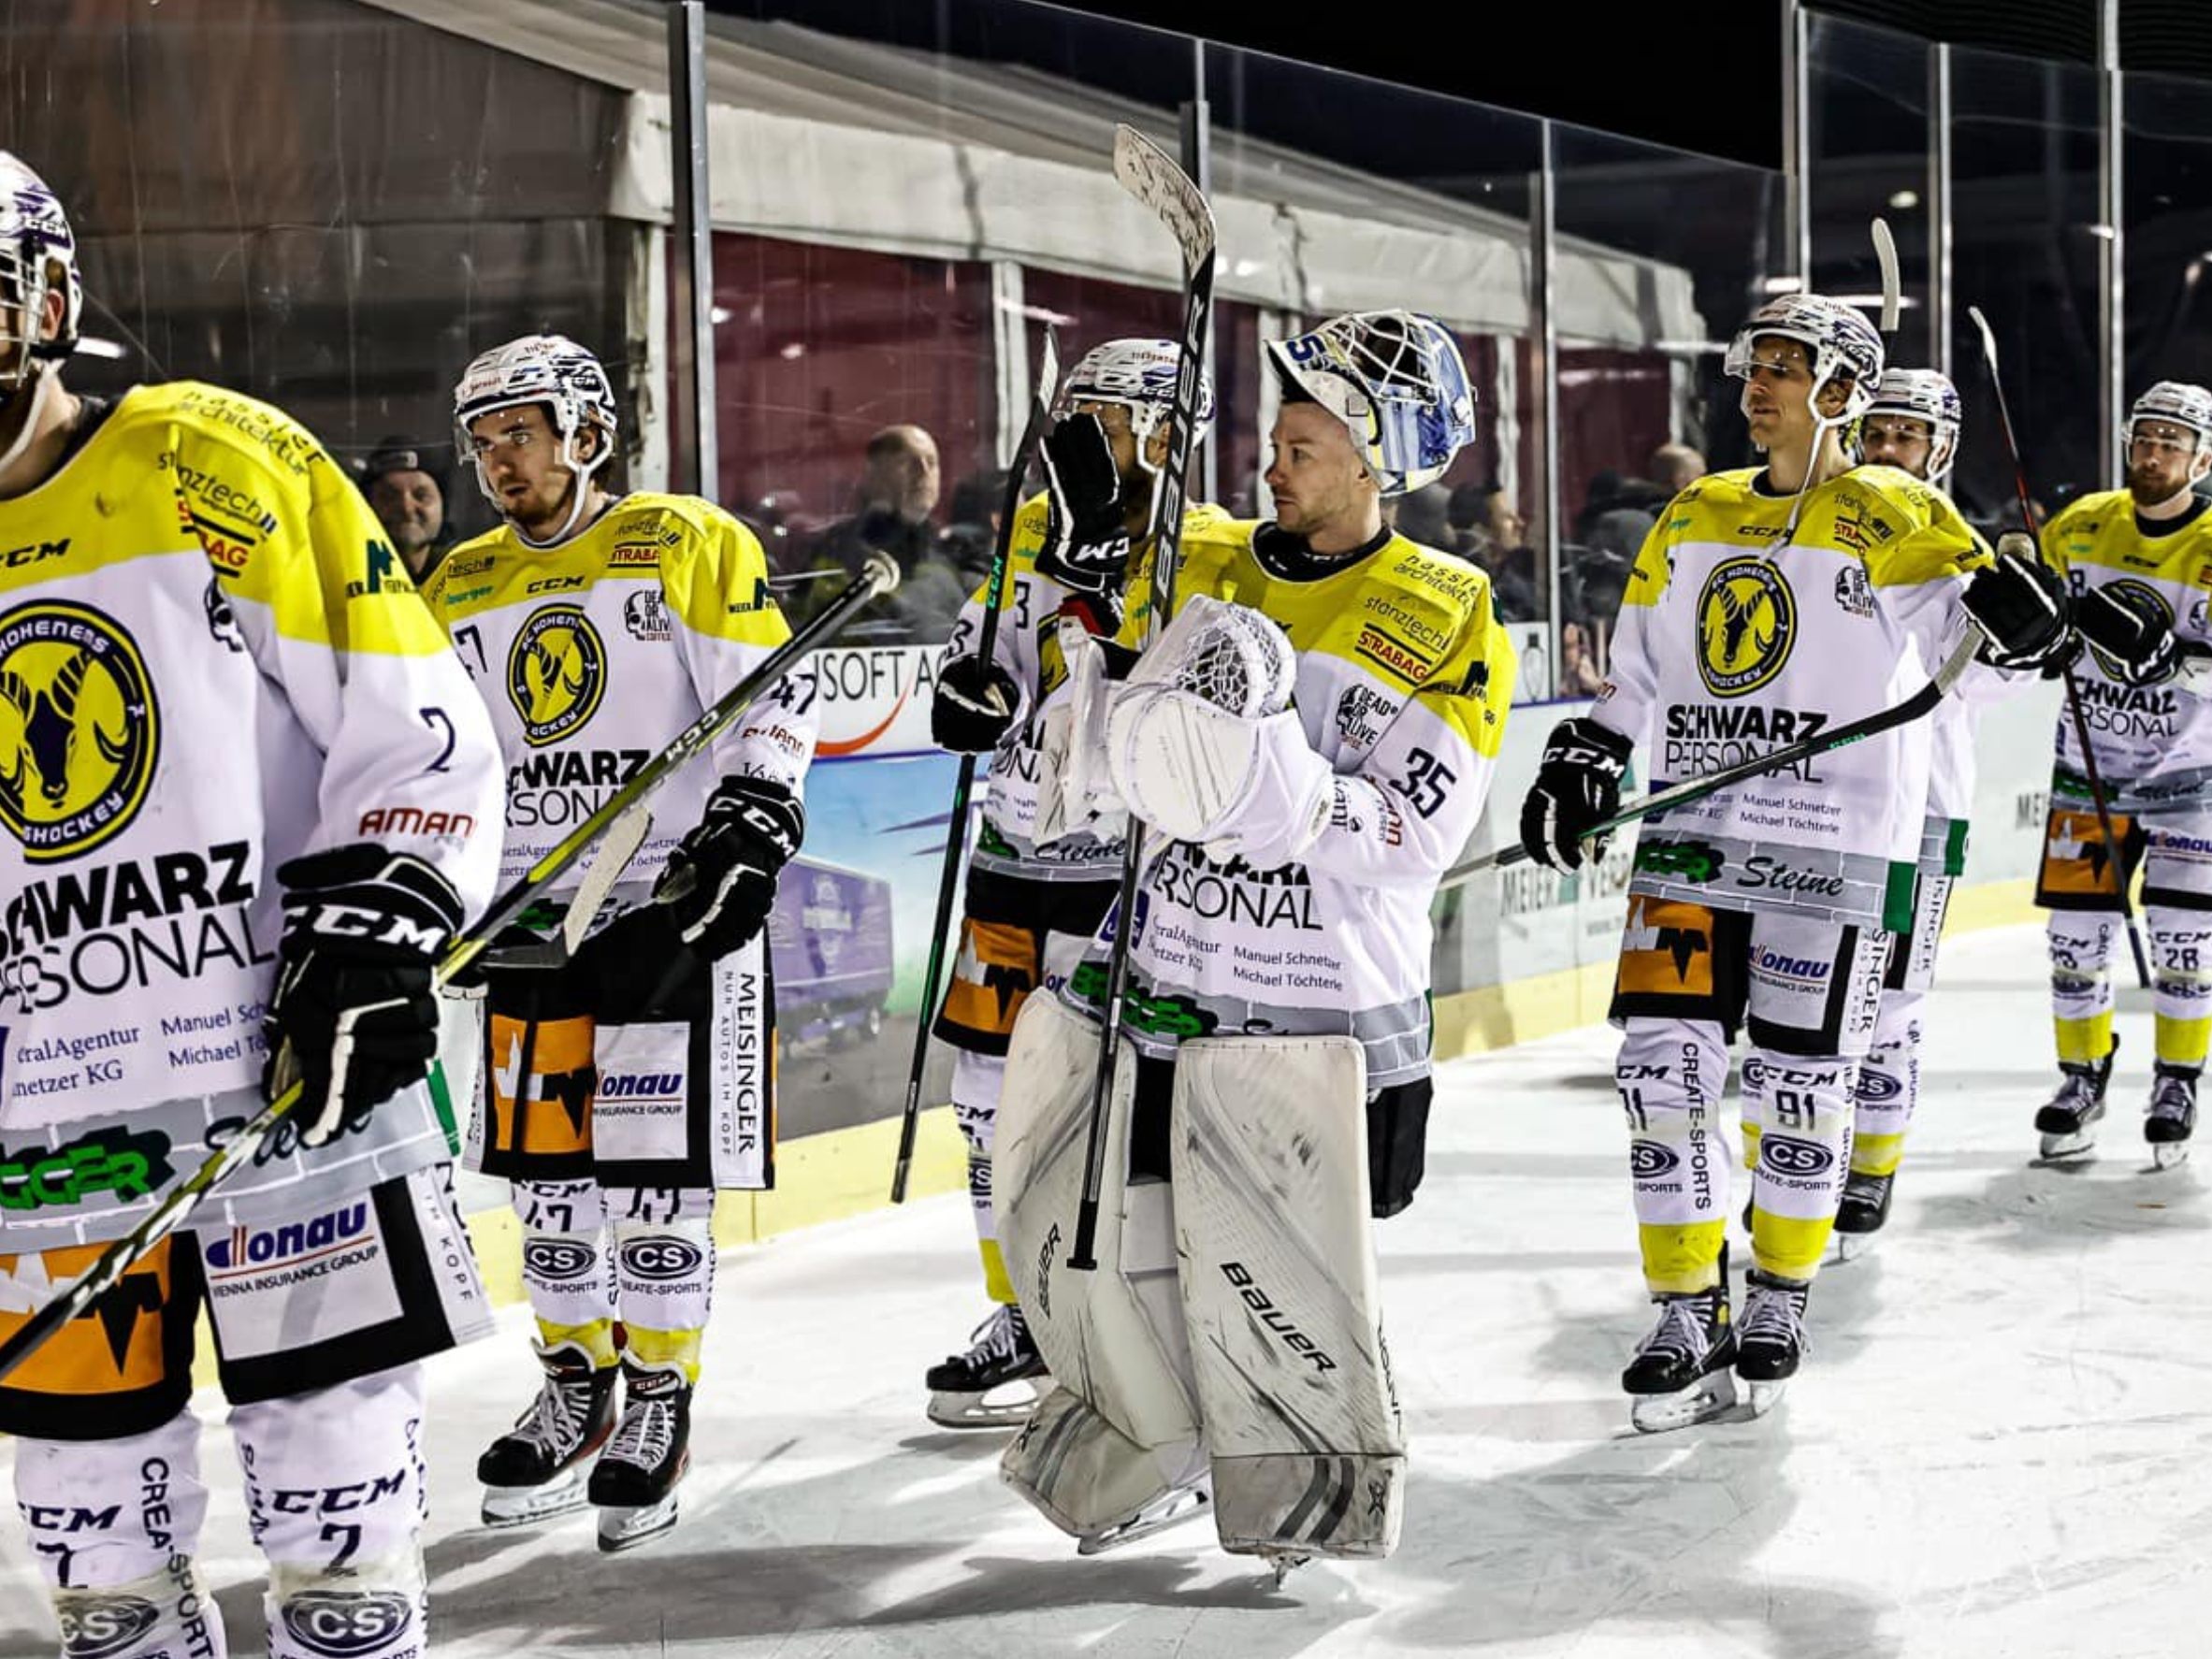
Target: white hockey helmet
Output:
[(1397, 381), (1140, 376), (37, 258), (1925, 395), (548, 369), (2176, 401), (1839, 339)]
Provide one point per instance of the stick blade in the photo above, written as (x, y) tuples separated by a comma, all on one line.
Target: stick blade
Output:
[(1048, 368), (1982, 328), (1892, 284), (1148, 173), (609, 859)]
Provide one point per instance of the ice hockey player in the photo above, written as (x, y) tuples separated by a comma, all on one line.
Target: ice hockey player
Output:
[(1273, 1094), (1768, 604), (2139, 560), (1912, 425), (249, 798), (623, 1088), (1079, 557)]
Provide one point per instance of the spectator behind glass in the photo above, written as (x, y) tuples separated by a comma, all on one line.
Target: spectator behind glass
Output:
[(406, 490), (1425, 517), (971, 530), (1487, 531), (897, 494)]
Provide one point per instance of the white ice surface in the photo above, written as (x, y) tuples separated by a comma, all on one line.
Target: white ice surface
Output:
[(1998, 1448)]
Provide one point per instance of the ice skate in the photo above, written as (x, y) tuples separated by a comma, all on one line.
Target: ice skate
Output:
[(2173, 1114), (634, 1485), (537, 1469), (2068, 1121), (1861, 1214), (1281, 1563), (995, 1383), (1770, 1338), (1679, 1374), (1170, 1508)]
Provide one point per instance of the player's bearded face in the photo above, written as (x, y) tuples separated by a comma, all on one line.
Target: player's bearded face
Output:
[(521, 455), (1317, 476), (2162, 460), (1894, 440)]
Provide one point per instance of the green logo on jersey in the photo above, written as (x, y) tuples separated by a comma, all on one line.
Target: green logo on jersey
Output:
[(1692, 860)]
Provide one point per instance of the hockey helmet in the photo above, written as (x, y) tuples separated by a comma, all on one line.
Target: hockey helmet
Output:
[(37, 258), (1396, 381), (1140, 376), (1925, 395), (2178, 401), (548, 369), (1841, 344)]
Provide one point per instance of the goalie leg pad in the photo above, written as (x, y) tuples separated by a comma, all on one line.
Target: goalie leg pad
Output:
[(1114, 1338), (1279, 1287), (1089, 1478)]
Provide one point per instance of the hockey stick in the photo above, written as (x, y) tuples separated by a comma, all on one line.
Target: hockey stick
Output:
[(1892, 286), (2081, 727), (956, 828), (1145, 172), (1923, 700), (879, 576)]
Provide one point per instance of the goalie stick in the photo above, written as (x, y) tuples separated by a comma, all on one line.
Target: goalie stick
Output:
[(956, 826), (2081, 730), (1147, 172), (879, 576)]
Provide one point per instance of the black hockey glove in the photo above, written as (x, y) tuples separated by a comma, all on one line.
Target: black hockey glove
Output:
[(2129, 631), (975, 705), (352, 1017), (1086, 545), (2022, 604), (719, 886), (1577, 787)]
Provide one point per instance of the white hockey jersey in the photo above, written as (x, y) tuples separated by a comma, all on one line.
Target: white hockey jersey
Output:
[(1404, 679), (592, 654), (1732, 642), (1027, 648), (2153, 743), (210, 662)]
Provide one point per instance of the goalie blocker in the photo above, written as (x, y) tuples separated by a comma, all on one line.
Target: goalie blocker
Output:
[(1230, 1347)]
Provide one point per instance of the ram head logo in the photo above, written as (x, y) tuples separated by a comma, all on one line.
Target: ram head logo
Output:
[(54, 724), (1739, 622)]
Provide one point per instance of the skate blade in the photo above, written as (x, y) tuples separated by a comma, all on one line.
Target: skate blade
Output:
[(1281, 1563), (1185, 1503), (625, 1529), (2061, 1149), (2169, 1154), (1853, 1247), (526, 1506), (1711, 1397), (1762, 1397), (1007, 1407)]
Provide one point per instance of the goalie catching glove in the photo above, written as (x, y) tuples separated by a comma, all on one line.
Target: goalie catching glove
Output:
[(1577, 787), (2021, 605), (352, 1017), (1086, 545), (1204, 747), (719, 886)]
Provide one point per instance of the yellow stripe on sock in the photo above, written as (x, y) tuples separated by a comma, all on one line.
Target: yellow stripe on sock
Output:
[(2181, 1042), (1789, 1248), (596, 1339), (2085, 1041), (1681, 1259), (666, 1347), (1877, 1154), (1751, 1145), (995, 1282)]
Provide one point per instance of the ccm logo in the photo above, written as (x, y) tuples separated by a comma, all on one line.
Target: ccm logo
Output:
[(1793, 1157), (661, 1258)]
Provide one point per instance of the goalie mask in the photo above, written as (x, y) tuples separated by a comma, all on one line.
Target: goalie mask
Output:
[(1139, 375), (1927, 395), (1840, 343), (1397, 381), (547, 369), (37, 258), (2180, 404)]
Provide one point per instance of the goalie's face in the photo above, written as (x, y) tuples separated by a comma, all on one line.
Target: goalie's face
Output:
[(520, 455), (1319, 481)]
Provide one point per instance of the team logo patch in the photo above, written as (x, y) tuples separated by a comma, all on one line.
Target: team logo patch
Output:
[(1875, 1085), (2141, 594), (1747, 621), (1855, 595), (1786, 1157), (101, 1627), (335, 1622), (659, 1260), (644, 613), (556, 673), (78, 730), (1648, 1159)]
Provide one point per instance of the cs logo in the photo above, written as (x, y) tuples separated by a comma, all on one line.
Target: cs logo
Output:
[(78, 730), (556, 673)]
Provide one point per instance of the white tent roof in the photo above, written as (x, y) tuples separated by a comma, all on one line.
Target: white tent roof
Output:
[(816, 137)]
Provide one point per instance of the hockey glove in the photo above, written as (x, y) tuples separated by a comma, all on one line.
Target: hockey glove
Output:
[(2020, 603), (1577, 787), (1086, 545), (719, 886), (352, 1017), (975, 706), (2131, 633)]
